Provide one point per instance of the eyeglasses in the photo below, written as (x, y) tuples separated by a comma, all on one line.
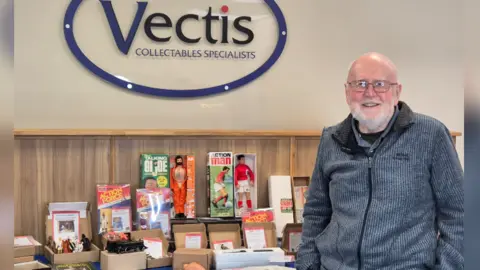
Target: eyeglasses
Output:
[(379, 86)]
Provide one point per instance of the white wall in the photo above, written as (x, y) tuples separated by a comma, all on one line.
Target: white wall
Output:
[(304, 90)]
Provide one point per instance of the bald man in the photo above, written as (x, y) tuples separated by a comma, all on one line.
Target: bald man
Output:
[(386, 191)]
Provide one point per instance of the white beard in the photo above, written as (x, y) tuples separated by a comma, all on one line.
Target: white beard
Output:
[(372, 124)]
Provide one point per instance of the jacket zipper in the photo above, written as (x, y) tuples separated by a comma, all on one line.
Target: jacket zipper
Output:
[(360, 263)]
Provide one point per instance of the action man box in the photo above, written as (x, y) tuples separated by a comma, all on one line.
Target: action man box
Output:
[(182, 184), (220, 180)]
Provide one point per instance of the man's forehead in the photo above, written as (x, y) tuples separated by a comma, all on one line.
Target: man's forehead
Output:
[(371, 72)]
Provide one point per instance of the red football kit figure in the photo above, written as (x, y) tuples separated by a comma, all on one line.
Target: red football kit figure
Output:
[(243, 174), (178, 183), (220, 187)]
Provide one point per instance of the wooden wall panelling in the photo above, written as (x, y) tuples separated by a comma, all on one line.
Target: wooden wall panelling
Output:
[(56, 169), (272, 157), (306, 148)]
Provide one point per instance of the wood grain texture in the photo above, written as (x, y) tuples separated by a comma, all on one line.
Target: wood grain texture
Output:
[(68, 168), (272, 153), (56, 170)]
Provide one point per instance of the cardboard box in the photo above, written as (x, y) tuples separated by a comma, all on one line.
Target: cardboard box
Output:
[(181, 230), (23, 259), (85, 228), (270, 232), (167, 259), (295, 228), (126, 261), (25, 251), (299, 190), (31, 266), (183, 256), (224, 232)]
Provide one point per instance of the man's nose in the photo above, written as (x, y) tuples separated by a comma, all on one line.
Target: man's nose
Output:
[(369, 91)]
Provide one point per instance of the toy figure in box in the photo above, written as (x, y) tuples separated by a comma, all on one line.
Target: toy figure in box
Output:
[(182, 183), (178, 183), (220, 184), (244, 180)]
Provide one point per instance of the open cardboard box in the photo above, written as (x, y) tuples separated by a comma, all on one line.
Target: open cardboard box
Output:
[(85, 228), (167, 259), (35, 265), (218, 233), (180, 231), (114, 261), (26, 253), (296, 229), (270, 232), (182, 255)]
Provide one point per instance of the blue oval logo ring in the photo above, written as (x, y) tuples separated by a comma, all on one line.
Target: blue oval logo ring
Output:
[(178, 93)]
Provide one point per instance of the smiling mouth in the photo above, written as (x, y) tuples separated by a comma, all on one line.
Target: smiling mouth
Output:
[(370, 105)]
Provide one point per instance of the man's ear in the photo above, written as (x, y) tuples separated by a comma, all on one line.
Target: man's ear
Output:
[(399, 91)]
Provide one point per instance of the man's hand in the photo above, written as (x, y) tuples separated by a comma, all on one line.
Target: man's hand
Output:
[(237, 186), (251, 183)]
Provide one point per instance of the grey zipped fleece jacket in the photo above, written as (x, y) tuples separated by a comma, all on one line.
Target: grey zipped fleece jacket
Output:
[(383, 210)]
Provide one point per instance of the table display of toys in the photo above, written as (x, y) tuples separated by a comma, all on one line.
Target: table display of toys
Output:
[(69, 245)]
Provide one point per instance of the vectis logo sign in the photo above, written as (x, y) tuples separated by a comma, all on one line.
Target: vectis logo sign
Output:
[(149, 25), (149, 21)]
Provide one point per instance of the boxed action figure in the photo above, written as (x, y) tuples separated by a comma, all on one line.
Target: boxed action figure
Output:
[(153, 209), (114, 208), (245, 183), (220, 189), (154, 171), (182, 184)]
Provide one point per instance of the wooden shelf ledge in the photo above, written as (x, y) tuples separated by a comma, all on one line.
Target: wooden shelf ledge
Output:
[(172, 132)]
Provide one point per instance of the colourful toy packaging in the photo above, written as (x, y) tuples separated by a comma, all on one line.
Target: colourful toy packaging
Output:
[(182, 184), (220, 177), (245, 183), (153, 209), (154, 171), (114, 208)]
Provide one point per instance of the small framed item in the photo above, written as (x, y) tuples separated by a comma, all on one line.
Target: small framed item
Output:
[(65, 225)]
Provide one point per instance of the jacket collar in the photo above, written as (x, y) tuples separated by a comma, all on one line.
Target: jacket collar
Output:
[(345, 135)]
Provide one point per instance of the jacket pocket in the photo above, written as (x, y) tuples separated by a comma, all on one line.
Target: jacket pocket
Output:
[(326, 243)]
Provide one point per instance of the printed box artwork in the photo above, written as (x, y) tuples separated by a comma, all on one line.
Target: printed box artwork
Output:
[(154, 171), (220, 177), (245, 183), (182, 184), (259, 215), (153, 209), (114, 208)]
